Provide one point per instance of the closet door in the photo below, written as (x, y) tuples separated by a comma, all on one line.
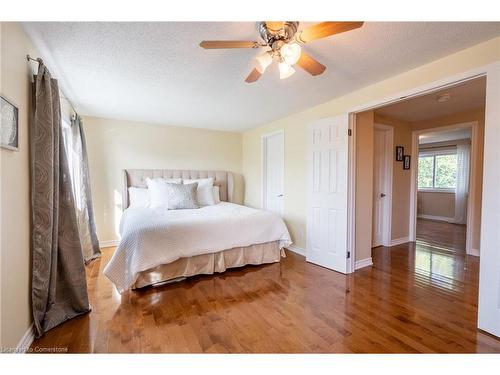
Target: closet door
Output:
[(327, 193)]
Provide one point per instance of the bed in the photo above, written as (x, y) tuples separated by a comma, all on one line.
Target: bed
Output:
[(159, 245)]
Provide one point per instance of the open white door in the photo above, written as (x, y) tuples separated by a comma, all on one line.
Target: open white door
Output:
[(327, 193), (273, 155)]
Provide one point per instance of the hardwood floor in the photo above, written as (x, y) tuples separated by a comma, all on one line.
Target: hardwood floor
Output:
[(414, 299), (440, 233)]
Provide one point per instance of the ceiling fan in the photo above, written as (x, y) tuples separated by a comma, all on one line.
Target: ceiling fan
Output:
[(282, 41)]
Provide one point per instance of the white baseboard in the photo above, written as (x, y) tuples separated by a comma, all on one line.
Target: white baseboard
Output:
[(26, 340), (110, 243), (400, 241), (297, 250), (437, 218), (474, 252), (363, 263)]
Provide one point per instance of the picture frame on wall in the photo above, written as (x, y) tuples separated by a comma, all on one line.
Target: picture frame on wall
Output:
[(399, 153), (406, 161), (9, 124)]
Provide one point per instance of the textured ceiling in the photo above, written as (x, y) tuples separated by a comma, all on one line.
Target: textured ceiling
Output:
[(463, 97), (156, 72)]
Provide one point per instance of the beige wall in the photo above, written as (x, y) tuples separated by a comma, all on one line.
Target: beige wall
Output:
[(15, 76), (115, 145), (364, 184), (436, 204), (295, 126)]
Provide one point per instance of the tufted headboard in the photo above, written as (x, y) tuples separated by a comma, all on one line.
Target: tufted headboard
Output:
[(137, 178)]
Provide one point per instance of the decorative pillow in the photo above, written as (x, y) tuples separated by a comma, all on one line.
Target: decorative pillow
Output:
[(182, 196), (138, 197), (158, 190), (216, 191), (204, 194)]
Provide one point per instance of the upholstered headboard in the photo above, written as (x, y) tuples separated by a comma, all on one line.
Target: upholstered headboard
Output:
[(137, 178)]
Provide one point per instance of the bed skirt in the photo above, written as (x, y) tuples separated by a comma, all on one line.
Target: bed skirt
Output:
[(208, 264)]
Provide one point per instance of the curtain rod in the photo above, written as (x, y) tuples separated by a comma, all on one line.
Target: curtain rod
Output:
[(37, 60), (28, 57)]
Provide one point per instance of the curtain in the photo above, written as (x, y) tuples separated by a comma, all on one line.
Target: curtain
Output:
[(462, 189), (58, 289), (79, 170)]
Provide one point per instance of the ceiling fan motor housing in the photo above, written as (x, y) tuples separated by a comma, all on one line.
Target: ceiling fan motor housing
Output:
[(283, 35)]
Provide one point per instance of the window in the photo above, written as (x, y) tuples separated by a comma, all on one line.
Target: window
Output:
[(73, 162), (437, 171)]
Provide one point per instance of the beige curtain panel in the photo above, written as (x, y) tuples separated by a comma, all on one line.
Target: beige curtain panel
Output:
[(59, 289)]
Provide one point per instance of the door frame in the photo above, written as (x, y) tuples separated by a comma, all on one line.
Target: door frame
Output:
[(264, 137), (490, 70), (389, 146), (471, 205)]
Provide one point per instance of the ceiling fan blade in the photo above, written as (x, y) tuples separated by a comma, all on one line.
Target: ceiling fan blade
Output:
[(253, 76), (275, 25), (310, 65), (219, 44), (326, 29)]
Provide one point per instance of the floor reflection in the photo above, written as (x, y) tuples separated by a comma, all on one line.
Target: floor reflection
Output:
[(442, 267)]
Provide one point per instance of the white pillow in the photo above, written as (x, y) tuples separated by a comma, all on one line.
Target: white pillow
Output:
[(158, 191), (138, 197), (204, 193), (216, 191)]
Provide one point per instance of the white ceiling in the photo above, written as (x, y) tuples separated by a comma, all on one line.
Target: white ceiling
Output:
[(445, 136), (463, 97), (156, 72)]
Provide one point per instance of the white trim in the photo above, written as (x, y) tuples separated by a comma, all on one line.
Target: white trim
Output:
[(351, 194), (489, 272), (110, 243), (389, 146), (264, 169), (26, 340), (400, 241), (296, 250), (474, 252), (471, 206), (363, 263), (437, 218)]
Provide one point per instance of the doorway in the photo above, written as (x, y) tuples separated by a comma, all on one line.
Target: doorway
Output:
[(273, 159), (447, 196)]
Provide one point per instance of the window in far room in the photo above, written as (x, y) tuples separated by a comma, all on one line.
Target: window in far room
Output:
[(437, 170)]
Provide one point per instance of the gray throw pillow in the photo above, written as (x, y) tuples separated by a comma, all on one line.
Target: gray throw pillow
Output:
[(181, 196)]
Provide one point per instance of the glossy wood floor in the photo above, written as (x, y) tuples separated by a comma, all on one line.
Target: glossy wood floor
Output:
[(412, 300), (440, 233)]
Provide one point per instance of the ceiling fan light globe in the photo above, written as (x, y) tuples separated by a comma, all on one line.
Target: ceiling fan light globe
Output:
[(285, 70), (263, 61), (290, 53)]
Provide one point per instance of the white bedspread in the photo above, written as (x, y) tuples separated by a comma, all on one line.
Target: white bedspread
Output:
[(151, 237)]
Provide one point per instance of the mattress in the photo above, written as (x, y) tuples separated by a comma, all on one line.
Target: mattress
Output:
[(154, 237)]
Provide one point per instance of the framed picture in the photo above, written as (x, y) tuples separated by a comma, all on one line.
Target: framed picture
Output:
[(406, 161), (9, 125), (400, 150)]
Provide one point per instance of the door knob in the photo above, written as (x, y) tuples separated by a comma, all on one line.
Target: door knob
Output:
[(382, 195), (279, 195)]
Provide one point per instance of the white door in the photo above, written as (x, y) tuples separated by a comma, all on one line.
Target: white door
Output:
[(327, 193), (273, 149), (382, 186)]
